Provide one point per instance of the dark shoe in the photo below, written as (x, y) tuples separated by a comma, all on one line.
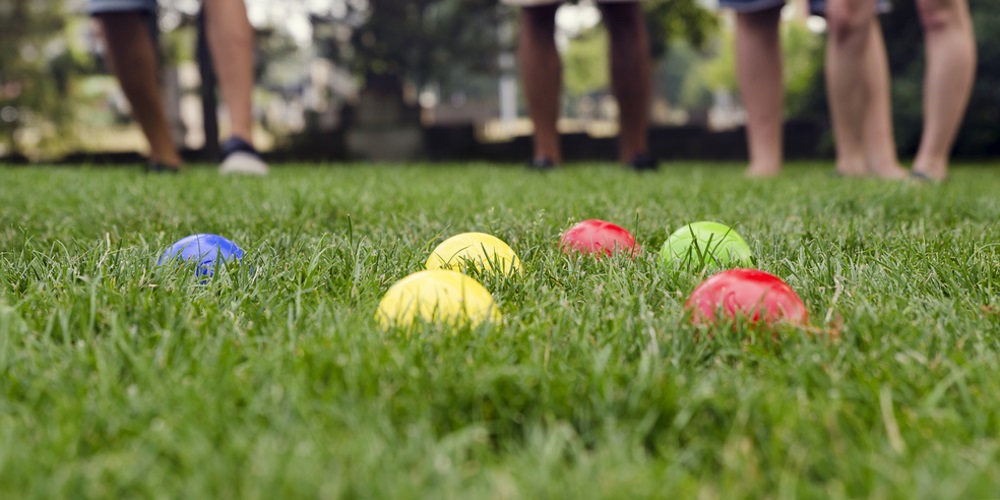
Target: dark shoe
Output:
[(155, 167), (240, 158), (541, 164), (642, 162)]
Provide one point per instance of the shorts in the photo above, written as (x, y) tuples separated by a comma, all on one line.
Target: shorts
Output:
[(96, 7), (533, 3), (817, 7)]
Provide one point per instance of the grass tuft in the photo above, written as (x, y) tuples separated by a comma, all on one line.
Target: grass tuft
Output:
[(272, 380)]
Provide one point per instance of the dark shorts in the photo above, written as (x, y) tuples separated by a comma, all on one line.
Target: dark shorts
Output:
[(96, 7), (817, 7)]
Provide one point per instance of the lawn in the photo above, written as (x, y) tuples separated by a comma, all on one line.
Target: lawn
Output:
[(124, 379)]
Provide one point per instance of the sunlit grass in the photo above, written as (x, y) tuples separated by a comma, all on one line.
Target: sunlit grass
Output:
[(272, 380)]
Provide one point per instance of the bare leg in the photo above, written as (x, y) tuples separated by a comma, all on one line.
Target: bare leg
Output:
[(541, 74), (848, 83), (230, 41), (133, 60), (880, 145), (951, 66), (630, 74), (762, 89)]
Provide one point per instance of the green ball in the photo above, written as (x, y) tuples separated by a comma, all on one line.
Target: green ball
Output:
[(705, 244)]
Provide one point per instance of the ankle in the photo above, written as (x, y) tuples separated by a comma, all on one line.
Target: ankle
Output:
[(243, 135), (931, 165), (173, 160), (548, 154), (852, 167), (763, 168), (885, 166)]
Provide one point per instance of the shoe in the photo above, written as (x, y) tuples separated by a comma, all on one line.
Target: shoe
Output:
[(240, 158), (541, 164), (155, 167), (642, 162)]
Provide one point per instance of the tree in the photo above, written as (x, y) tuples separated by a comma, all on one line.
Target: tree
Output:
[(801, 51), (35, 68), (585, 63), (424, 40), (671, 23)]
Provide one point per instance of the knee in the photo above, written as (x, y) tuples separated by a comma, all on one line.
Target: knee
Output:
[(940, 15), (846, 21)]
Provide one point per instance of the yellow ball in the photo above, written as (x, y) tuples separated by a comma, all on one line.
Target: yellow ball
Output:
[(488, 253), (437, 296)]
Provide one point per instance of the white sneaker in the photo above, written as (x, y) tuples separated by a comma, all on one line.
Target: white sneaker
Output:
[(240, 158), (240, 163)]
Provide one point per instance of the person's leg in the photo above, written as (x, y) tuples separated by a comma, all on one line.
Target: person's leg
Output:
[(762, 88), (951, 67), (848, 81), (230, 41), (132, 57), (880, 145), (630, 75), (541, 76)]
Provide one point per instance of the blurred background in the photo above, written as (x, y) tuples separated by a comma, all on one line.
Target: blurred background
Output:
[(398, 80)]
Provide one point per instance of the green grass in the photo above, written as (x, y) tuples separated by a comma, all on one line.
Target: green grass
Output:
[(122, 379)]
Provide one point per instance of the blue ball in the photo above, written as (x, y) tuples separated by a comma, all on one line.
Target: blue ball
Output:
[(205, 249)]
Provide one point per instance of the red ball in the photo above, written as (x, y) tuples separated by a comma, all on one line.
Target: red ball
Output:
[(597, 237), (751, 294)]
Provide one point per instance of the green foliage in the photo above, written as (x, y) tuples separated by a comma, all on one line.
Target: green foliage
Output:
[(670, 21), (585, 63), (35, 70), (426, 39), (181, 46), (715, 69), (434, 39), (123, 379), (671, 24), (802, 51)]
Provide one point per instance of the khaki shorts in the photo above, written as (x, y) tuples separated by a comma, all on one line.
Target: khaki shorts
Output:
[(532, 3)]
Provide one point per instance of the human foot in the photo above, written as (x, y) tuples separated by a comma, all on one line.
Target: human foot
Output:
[(643, 162), (541, 164), (156, 167), (762, 170), (855, 168), (888, 171), (934, 171)]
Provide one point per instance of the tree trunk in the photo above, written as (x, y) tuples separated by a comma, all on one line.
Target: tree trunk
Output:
[(209, 102), (385, 128)]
